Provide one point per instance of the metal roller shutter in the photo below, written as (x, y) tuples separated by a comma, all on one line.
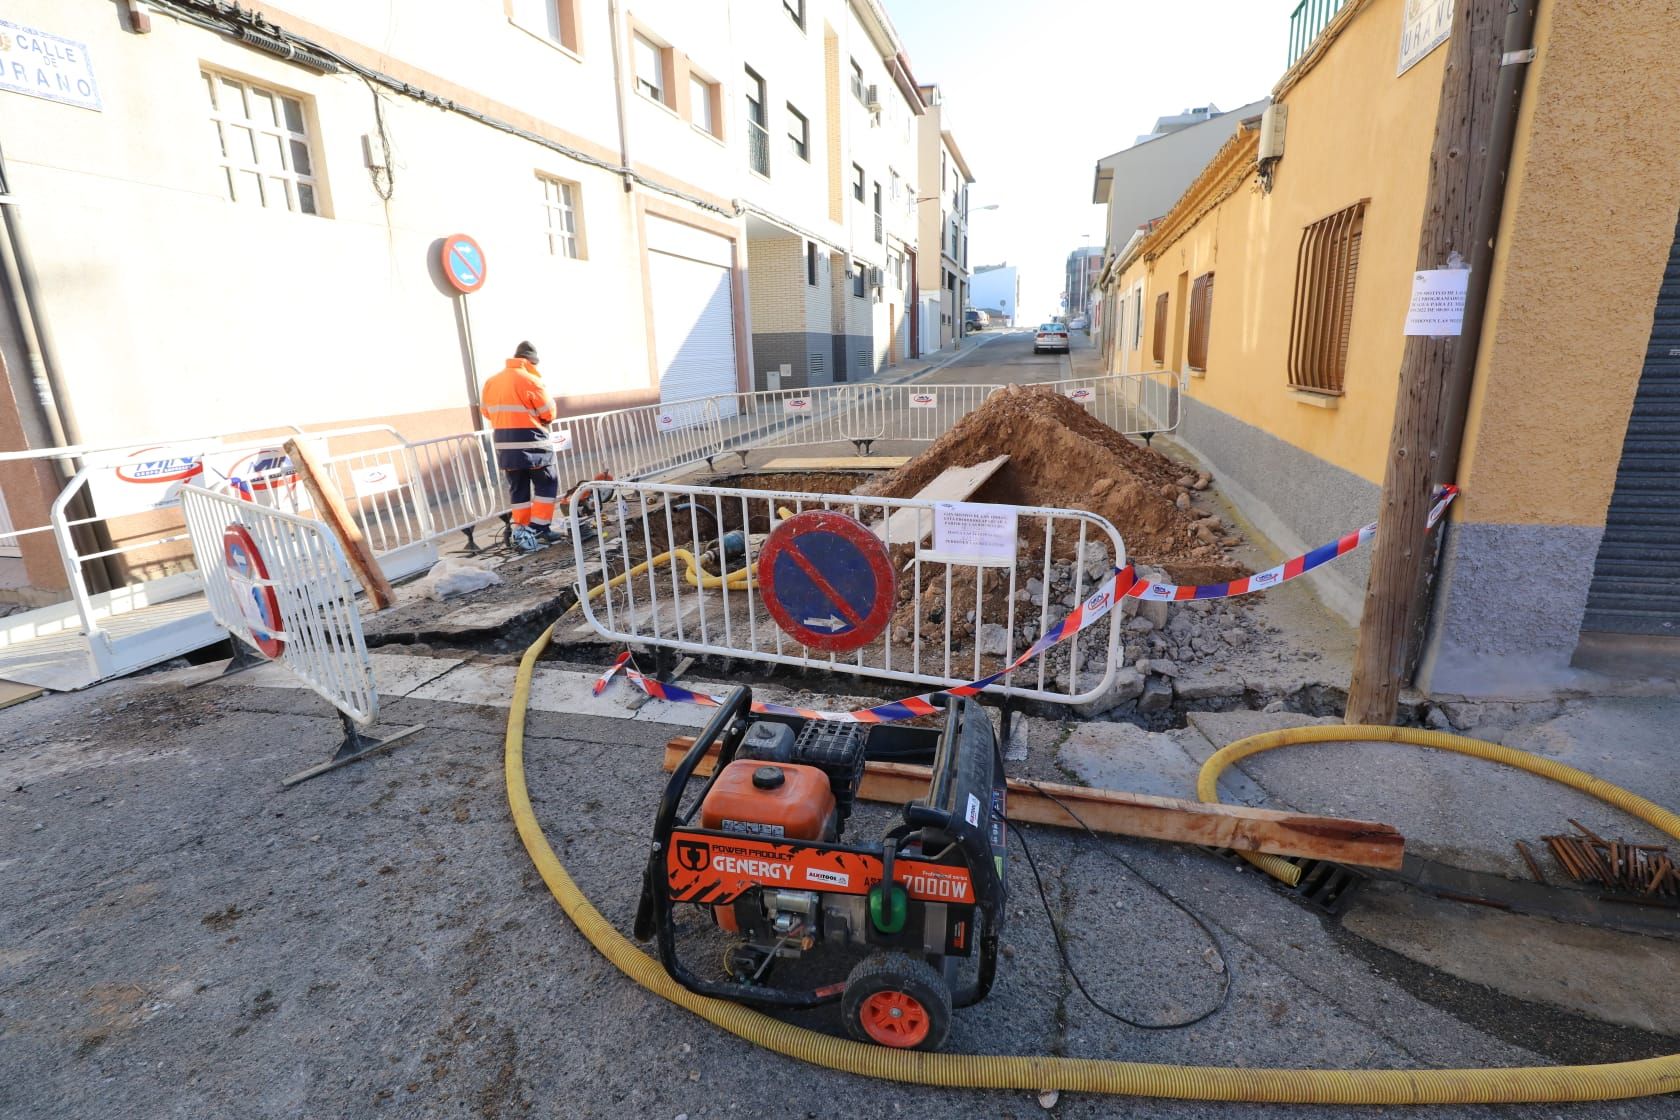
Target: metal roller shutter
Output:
[(693, 314), (1636, 580)]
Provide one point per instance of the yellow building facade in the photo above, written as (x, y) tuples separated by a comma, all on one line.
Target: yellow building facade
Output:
[(1587, 231)]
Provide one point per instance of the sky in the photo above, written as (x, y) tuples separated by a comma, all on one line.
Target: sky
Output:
[(1037, 93)]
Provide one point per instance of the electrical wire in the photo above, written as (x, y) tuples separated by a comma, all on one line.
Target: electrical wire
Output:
[(1061, 940), (213, 15)]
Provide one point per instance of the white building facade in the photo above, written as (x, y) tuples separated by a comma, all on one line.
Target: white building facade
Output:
[(240, 224)]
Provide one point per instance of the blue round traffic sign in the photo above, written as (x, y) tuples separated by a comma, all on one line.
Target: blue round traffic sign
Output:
[(253, 592), (827, 581), (463, 263)]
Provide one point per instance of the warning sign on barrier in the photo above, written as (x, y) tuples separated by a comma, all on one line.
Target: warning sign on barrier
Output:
[(253, 591), (827, 581)]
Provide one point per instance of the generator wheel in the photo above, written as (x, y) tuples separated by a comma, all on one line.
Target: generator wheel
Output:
[(895, 1000)]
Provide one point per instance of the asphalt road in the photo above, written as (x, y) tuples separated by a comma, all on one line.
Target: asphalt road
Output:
[(1006, 357), (181, 938)]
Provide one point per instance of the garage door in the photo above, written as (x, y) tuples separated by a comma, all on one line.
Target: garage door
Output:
[(1636, 580), (693, 315)]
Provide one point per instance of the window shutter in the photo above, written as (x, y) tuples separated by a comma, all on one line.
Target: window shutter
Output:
[(1159, 346), (1326, 273), (1201, 311)]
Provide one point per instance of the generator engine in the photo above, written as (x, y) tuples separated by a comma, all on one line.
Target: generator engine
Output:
[(763, 852), (790, 785)]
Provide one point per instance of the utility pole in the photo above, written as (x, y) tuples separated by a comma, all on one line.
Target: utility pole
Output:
[(1458, 176)]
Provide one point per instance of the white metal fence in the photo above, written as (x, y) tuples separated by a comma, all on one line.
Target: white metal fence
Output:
[(677, 566), (646, 442), (406, 496), (279, 582)]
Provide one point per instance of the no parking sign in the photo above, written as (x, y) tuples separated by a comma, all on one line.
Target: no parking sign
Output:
[(252, 590), (827, 581)]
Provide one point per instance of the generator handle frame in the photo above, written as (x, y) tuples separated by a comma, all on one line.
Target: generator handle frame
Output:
[(654, 895), (654, 914)]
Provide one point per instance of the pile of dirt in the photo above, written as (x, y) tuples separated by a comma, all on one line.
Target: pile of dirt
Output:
[(1061, 456)]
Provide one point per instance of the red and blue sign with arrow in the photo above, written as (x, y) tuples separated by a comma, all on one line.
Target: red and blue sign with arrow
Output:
[(463, 263), (827, 581)]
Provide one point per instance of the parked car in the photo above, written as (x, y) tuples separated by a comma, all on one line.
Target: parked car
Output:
[(1079, 323), (1050, 336), (976, 320)]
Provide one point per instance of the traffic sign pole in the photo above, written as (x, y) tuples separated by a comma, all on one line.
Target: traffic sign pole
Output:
[(465, 268)]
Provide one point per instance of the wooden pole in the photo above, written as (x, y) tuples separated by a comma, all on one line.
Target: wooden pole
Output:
[(1403, 553), (1136, 814), (329, 505)]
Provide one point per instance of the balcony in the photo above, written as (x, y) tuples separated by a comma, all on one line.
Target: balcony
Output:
[(1308, 19), (758, 148)]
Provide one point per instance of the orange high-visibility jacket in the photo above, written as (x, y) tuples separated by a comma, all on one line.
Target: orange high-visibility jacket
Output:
[(517, 405)]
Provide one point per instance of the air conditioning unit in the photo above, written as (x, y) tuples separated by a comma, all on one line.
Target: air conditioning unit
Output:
[(876, 278), (872, 99)]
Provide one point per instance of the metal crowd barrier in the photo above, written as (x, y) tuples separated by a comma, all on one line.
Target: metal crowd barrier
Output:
[(279, 583), (653, 440), (952, 622)]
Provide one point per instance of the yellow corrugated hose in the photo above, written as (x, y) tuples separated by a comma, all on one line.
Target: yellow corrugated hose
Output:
[(1648, 1077)]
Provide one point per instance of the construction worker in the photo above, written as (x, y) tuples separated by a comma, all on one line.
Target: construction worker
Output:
[(519, 410)]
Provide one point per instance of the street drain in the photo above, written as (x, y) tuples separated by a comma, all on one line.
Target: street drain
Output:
[(1325, 887)]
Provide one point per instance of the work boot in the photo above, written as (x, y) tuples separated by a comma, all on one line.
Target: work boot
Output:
[(525, 539), (546, 536)]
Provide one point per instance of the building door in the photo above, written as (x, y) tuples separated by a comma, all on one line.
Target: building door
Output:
[(693, 302), (1636, 579)]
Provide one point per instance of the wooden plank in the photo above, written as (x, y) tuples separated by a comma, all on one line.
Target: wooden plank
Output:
[(330, 507), (842, 463), (11, 692), (1362, 843), (954, 484)]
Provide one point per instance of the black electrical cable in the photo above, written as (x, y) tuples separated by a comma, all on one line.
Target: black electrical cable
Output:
[(213, 15), (1061, 941)]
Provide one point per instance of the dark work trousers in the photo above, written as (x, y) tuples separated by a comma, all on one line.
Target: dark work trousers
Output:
[(532, 482)]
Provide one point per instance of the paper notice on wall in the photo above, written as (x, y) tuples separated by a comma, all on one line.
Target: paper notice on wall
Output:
[(972, 533), (1437, 308), (380, 478)]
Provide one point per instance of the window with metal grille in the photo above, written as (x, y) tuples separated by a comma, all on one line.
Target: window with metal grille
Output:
[(1201, 313), (857, 81), (758, 124), (262, 145), (1326, 268), (860, 280), (560, 204), (857, 182), (1158, 346), (877, 197)]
